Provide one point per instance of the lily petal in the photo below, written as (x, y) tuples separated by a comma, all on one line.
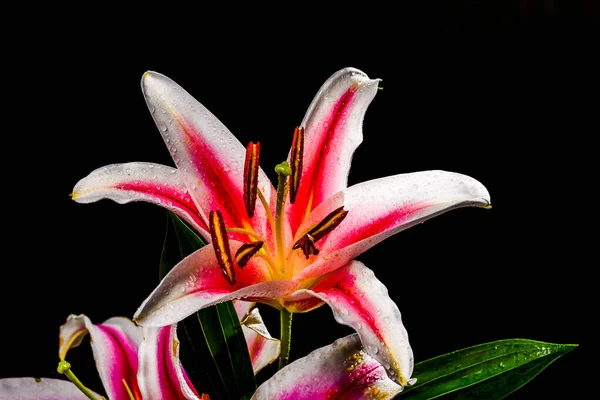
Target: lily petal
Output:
[(243, 308), (154, 183), (333, 131), (114, 345), (263, 348), (209, 158), (160, 375), (40, 389), (341, 370), (197, 282), (380, 208), (358, 299)]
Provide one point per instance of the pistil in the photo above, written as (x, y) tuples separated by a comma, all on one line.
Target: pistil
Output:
[(283, 171), (64, 368)]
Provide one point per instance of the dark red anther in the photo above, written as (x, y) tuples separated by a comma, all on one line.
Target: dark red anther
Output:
[(246, 251), (251, 177), (296, 162), (329, 223), (220, 243), (307, 244)]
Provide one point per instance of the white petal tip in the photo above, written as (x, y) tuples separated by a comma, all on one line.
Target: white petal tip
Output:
[(149, 75), (153, 80)]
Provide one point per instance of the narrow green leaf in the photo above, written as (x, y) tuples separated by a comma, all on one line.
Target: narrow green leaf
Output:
[(214, 351), (487, 371)]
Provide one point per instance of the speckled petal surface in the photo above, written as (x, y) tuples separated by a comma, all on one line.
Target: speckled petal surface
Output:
[(358, 299), (40, 389), (341, 370), (153, 183), (380, 208)]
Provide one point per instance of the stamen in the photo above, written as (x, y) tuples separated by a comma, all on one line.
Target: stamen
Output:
[(220, 243), (296, 160), (129, 392), (251, 177), (248, 232), (329, 223), (307, 244), (265, 204), (245, 253)]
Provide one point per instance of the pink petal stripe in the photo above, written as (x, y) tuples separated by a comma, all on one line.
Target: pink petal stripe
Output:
[(341, 370), (122, 364), (161, 376), (197, 282), (210, 159), (40, 389), (361, 301), (153, 183), (382, 207), (333, 131), (115, 347)]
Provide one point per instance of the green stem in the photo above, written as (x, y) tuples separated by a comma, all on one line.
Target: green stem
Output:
[(286, 337), (65, 368)]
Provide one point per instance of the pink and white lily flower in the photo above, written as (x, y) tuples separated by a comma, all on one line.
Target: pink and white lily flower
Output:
[(341, 370), (294, 253), (134, 362)]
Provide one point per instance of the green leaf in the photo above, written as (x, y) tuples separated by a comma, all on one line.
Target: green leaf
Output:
[(213, 347), (487, 371)]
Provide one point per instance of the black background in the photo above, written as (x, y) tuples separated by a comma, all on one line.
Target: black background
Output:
[(504, 92)]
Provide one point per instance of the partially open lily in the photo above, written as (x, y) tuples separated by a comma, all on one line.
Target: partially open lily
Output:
[(139, 363), (293, 252), (342, 370)]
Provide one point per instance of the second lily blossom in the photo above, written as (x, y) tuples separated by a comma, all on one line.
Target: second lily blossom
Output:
[(294, 255)]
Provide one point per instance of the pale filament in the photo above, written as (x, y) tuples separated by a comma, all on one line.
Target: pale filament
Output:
[(265, 204)]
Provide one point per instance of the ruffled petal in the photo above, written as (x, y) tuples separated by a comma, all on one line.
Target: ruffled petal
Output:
[(115, 346), (243, 308), (40, 389), (154, 183), (197, 282), (341, 370), (263, 348), (382, 207), (358, 299), (160, 375), (209, 158), (333, 131)]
